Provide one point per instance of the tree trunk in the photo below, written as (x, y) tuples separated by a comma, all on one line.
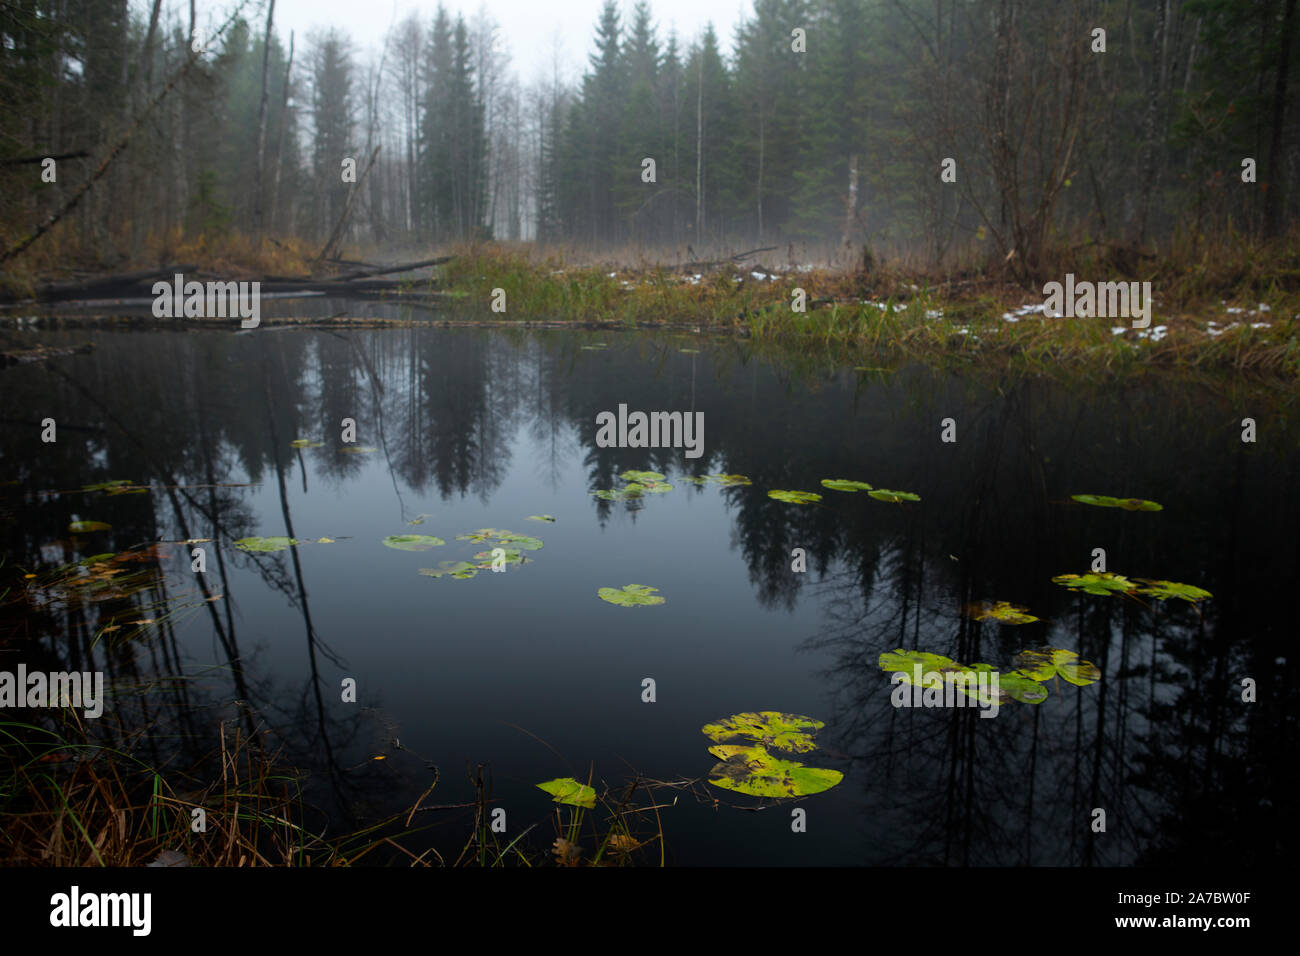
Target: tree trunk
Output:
[(1276, 177), (279, 138), (261, 123)]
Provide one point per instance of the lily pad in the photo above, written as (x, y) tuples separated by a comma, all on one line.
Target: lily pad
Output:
[(412, 542), (461, 570), (795, 497), (485, 558), (86, 527), (1163, 590), (630, 595), (1001, 611), (844, 484), (481, 535), (726, 481), (520, 540), (1014, 685), (567, 790), (1128, 504), (1044, 663), (884, 494), (418, 519), (620, 494), (1096, 582), (264, 545), (642, 476), (770, 728), (1020, 686), (305, 443), (541, 518), (754, 771), (905, 661)]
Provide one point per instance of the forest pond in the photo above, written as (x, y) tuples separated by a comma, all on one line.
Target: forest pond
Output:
[(179, 436)]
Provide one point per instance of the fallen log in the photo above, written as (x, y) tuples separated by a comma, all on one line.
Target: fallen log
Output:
[(106, 286)]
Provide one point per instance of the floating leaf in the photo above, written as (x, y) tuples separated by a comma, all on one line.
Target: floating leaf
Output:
[(412, 542), (726, 481), (481, 535), (690, 351), (324, 540), (1014, 685), (642, 476), (966, 679), (1096, 582), (264, 545), (795, 497), (754, 771), (486, 558), (461, 570), (594, 348), (631, 492), (769, 728), (567, 790), (85, 527), (883, 494), (630, 595), (358, 449), (1000, 611), (844, 484), (1020, 686), (1128, 504), (1163, 590), (520, 540), (305, 443), (905, 662), (541, 517), (418, 519), (1044, 663)]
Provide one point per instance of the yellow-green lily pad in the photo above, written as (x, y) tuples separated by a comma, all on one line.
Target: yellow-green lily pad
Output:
[(844, 484), (884, 494), (1001, 611), (631, 595), (1163, 590), (1044, 663), (86, 527), (1128, 504), (412, 542), (265, 545), (754, 771), (770, 728), (795, 497), (567, 790), (1096, 582)]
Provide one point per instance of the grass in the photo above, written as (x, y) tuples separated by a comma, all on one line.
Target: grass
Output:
[(896, 316), (68, 801), (900, 311)]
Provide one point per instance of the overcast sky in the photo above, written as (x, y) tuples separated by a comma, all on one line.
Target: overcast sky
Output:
[(529, 28)]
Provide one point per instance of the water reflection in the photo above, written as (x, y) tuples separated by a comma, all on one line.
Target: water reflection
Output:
[(480, 428)]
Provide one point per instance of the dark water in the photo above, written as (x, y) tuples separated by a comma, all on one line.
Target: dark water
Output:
[(482, 428)]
